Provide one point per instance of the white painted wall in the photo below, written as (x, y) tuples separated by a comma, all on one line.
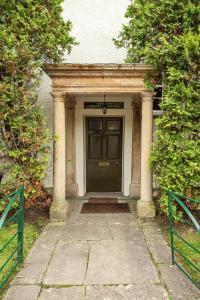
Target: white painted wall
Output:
[(95, 24)]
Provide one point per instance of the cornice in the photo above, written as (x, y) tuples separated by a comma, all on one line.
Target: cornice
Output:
[(97, 70)]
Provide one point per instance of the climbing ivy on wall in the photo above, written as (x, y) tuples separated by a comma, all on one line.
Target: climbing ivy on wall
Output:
[(165, 34), (32, 32)]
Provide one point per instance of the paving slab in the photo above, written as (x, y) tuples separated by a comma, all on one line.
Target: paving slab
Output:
[(32, 273), (88, 219), (101, 257), (119, 262), (179, 286), (23, 292), (123, 219), (161, 253), (78, 232), (151, 230), (66, 270), (40, 253), (75, 205), (74, 248), (157, 238), (46, 243), (51, 233), (157, 244), (126, 232), (129, 292), (68, 293), (38, 259)]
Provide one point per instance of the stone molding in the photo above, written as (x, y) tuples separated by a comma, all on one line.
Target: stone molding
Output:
[(70, 101), (97, 78), (136, 105), (58, 97), (147, 96), (98, 70)]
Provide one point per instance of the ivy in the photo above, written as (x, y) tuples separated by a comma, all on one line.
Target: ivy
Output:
[(32, 32), (165, 34)]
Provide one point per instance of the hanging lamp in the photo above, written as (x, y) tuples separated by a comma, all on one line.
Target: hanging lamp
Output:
[(104, 106)]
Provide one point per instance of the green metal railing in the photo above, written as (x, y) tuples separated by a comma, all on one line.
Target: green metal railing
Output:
[(16, 256), (193, 222)]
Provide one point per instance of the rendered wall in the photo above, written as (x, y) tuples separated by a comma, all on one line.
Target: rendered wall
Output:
[(95, 24)]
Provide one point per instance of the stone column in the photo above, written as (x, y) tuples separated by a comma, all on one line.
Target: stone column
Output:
[(59, 207), (72, 187), (145, 207), (134, 190)]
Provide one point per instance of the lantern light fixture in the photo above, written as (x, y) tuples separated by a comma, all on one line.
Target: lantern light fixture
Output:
[(104, 106)]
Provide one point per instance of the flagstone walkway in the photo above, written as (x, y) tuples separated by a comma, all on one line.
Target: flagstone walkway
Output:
[(101, 257)]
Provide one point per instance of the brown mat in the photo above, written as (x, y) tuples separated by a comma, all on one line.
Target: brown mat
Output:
[(102, 200), (104, 208)]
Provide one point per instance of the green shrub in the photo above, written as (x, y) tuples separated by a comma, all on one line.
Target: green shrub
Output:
[(165, 34), (31, 33)]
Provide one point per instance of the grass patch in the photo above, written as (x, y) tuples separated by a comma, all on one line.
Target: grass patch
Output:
[(31, 233), (192, 238)]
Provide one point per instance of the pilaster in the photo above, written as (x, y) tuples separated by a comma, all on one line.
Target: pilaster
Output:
[(71, 187), (135, 186)]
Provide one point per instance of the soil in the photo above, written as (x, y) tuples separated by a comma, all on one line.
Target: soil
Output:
[(32, 214)]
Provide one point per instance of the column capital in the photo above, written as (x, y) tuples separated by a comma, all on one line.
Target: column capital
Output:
[(70, 101), (136, 105), (147, 96), (58, 96)]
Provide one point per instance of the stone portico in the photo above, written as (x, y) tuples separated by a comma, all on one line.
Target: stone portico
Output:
[(70, 81)]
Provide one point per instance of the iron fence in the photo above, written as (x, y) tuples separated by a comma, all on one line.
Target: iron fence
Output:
[(16, 241), (190, 220)]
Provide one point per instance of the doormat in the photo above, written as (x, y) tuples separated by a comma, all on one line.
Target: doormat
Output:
[(104, 208), (102, 200)]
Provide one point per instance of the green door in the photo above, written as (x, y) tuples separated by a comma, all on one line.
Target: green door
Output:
[(104, 154)]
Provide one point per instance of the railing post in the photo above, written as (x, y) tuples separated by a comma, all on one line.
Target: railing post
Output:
[(21, 226), (171, 224)]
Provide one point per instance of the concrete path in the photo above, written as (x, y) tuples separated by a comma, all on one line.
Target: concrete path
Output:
[(101, 257)]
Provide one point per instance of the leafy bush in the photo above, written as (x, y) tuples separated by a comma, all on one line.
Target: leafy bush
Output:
[(32, 33), (165, 34)]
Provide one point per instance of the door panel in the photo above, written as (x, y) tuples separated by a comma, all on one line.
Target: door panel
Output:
[(113, 146), (94, 146), (113, 125), (104, 154)]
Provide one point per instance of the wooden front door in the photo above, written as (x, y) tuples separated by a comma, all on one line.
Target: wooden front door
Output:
[(104, 154)]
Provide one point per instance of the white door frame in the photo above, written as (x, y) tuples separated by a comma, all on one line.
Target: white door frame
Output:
[(80, 136)]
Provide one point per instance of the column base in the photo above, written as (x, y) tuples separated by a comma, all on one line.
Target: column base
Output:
[(146, 209), (134, 190), (59, 211), (72, 190)]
